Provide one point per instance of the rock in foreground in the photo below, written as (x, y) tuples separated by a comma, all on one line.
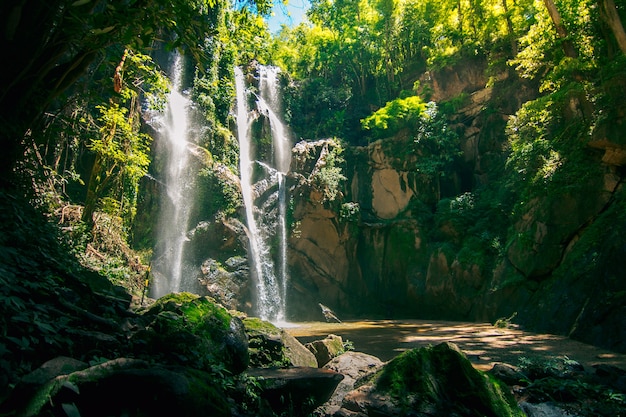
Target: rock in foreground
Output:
[(433, 381)]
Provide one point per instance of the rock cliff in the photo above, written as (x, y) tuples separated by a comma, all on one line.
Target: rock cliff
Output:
[(467, 244)]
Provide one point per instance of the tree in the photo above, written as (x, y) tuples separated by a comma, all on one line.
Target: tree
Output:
[(568, 46), (610, 15), (121, 150), (49, 45)]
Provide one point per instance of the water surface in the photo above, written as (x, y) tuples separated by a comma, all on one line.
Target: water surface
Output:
[(483, 343)]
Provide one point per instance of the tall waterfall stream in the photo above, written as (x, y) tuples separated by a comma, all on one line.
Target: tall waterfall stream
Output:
[(175, 131), (270, 272)]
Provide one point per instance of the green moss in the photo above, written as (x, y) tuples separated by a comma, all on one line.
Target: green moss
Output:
[(442, 378), (406, 374), (42, 397), (256, 325), (170, 301), (188, 329), (194, 308), (265, 344)]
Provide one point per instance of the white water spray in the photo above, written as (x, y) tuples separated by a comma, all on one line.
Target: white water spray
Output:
[(270, 103), (175, 212), (271, 276)]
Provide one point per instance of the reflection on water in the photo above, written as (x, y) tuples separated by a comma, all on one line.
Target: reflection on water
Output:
[(481, 342)]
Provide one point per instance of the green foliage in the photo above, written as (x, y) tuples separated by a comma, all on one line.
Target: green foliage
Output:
[(542, 53), (350, 212), (348, 346), (436, 145), (329, 178), (216, 192), (43, 290), (120, 144), (397, 114), (121, 150), (546, 157), (505, 322), (475, 224), (373, 47), (317, 108)]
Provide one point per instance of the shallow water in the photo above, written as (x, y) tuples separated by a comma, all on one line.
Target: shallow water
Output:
[(483, 343)]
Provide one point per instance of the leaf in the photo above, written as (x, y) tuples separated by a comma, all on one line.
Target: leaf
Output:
[(71, 410), (70, 385), (102, 31), (80, 3), (23, 343)]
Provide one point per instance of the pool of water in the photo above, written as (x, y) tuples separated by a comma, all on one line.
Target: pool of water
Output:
[(483, 343)]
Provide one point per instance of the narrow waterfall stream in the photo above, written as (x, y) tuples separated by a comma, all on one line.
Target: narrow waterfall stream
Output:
[(270, 103), (174, 216), (271, 275)]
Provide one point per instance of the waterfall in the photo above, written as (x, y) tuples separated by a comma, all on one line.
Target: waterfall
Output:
[(271, 275), (270, 104), (174, 131)]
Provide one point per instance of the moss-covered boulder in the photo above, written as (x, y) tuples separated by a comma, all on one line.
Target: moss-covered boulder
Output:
[(186, 329), (326, 349), (432, 381), (126, 387), (270, 346)]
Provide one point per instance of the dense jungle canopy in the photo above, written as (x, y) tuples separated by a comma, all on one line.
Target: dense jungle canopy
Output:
[(508, 113), (77, 73)]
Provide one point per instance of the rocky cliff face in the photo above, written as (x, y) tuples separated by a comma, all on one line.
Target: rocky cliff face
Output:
[(390, 246)]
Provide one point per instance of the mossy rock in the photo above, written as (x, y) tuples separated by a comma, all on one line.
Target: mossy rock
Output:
[(271, 347), (186, 329), (256, 326), (326, 349), (440, 381)]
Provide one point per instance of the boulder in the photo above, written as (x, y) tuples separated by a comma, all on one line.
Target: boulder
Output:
[(299, 390), (432, 381), (270, 346), (353, 366), (226, 282), (326, 349), (189, 330), (508, 374), (543, 410)]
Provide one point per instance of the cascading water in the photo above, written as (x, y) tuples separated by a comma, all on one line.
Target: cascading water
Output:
[(174, 216), (269, 102), (271, 287)]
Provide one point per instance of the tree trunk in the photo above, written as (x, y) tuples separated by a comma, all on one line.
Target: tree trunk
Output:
[(610, 15), (509, 28), (91, 200), (568, 46)]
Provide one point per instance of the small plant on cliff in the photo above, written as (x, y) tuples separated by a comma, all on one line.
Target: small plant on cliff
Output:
[(329, 178), (350, 211), (350, 214)]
